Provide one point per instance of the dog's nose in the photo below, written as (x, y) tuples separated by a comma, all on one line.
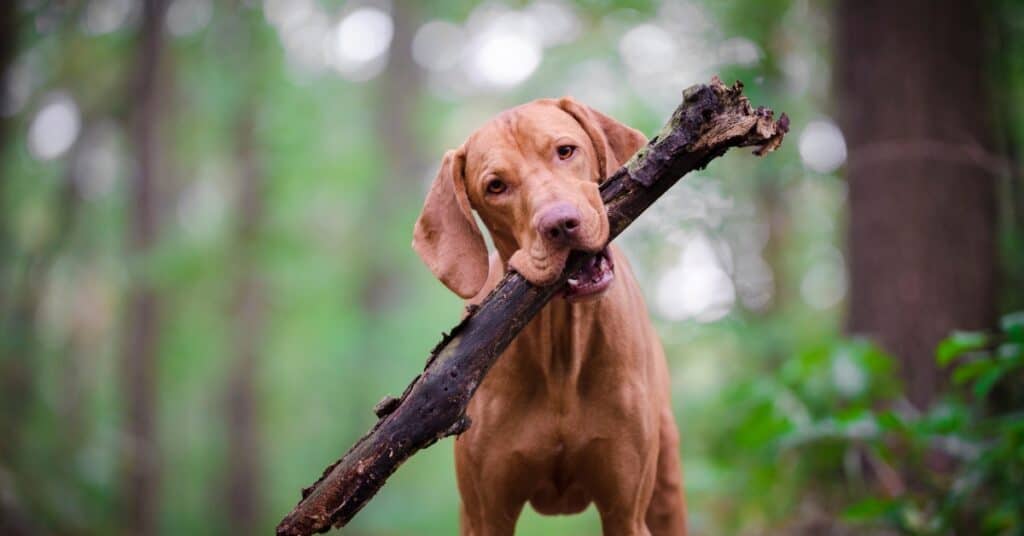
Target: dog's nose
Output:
[(559, 223)]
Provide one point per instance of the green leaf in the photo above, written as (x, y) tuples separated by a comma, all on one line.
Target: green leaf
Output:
[(1013, 326), (968, 371), (870, 509), (987, 380), (959, 343), (1012, 353), (890, 421)]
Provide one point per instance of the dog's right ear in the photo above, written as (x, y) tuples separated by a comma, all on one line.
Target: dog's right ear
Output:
[(446, 236), (614, 142)]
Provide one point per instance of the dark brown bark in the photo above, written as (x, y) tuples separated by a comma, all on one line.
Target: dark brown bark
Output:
[(914, 107), (711, 119), (141, 452), (243, 491)]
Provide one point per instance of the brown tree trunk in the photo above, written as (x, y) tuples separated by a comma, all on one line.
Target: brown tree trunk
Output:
[(141, 453), (914, 107), (243, 492)]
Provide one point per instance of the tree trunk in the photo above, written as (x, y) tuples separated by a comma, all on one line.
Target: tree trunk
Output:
[(140, 352), (16, 374), (400, 88), (243, 493), (914, 107)]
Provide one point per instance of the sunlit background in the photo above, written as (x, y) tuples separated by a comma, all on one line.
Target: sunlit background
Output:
[(294, 142)]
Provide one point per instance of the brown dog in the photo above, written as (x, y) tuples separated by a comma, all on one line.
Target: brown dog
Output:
[(577, 409)]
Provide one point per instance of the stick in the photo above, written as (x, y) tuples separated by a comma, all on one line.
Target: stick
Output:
[(711, 119)]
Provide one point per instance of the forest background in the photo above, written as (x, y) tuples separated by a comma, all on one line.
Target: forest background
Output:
[(206, 281)]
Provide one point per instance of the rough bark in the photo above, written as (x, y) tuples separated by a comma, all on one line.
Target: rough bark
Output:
[(914, 108), (141, 462), (711, 119)]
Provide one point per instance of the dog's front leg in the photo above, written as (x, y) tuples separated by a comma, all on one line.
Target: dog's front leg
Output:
[(624, 469), (492, 489)]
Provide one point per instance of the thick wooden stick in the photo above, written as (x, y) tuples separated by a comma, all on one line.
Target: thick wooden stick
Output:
[(711, 119)]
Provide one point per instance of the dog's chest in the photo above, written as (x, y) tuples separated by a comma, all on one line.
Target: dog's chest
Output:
[(561, 351), (565, 365)]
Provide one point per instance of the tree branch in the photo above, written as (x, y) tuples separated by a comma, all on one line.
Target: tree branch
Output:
[(711, 119)]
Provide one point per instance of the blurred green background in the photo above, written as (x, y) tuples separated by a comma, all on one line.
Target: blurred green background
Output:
[(206, 281)]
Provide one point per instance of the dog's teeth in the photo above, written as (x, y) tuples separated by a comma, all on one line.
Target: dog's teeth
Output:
[(573, 281)]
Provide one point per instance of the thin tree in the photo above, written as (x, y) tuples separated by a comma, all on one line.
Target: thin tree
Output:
[(395, 112), (141, 450), (15, 375), (243, 490)]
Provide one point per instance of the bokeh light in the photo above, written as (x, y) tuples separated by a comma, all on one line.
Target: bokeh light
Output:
[(105, 16), (502, 59), (55, 127), (822, 146), (99, 162), (185, 17), (437, 45), (364, 35), (698, 287), (824, 284), (648, 48)]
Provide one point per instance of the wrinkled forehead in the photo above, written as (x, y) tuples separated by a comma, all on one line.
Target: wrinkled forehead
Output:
[(524, 132)]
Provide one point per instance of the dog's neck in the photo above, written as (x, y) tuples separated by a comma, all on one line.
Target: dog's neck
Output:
[(563, 334)]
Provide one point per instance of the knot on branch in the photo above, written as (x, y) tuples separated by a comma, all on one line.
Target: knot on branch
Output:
[(461, 425), (386, 406)]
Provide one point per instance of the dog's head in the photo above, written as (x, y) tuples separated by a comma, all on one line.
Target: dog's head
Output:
[(532, 174)]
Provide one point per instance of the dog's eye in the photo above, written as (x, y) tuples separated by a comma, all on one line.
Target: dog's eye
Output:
[(496, 186), (565, 152)]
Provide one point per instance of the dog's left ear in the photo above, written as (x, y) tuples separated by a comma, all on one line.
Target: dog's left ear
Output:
[(614, 142)]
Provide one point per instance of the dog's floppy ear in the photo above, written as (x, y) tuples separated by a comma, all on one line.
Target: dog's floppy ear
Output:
[(615, 143), (446, 236)]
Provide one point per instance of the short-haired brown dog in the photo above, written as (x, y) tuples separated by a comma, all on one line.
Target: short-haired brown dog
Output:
[(577, 409)]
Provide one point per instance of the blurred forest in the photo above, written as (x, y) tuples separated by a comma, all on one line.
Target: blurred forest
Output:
[(206, 281)]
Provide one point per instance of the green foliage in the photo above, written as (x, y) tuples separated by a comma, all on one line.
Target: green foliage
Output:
[(830, 433)]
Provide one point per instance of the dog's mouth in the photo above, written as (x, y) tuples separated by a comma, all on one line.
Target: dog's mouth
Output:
[(593, 278)]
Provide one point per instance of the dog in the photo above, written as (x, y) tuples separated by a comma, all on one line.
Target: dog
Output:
[(577, 409)]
